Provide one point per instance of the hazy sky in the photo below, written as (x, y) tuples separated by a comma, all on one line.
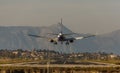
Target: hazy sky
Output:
[(82, 16)]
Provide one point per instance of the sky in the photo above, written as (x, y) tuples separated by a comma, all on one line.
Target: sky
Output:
[(81, 16)]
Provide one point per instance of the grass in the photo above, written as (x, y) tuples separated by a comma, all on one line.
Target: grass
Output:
[(10, 61), (108, 69), (109, 61), (102, 61), (19, 60)]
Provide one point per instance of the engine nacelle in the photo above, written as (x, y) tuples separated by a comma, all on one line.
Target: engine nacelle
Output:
[(51, 41), (71, 41)]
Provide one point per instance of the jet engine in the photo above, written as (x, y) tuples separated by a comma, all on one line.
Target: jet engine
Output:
[(71, 41), (51, 41)]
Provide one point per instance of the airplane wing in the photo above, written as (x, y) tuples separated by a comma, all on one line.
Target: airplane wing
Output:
[(79, 38), (44, 37), (63, 34), (69, 34), (52, 33), (37, 36)]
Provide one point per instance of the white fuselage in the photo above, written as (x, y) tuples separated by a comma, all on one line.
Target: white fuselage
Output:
[(60, 37)]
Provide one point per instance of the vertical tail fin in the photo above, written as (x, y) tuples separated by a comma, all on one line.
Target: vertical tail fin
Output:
[(61, 21), (60, 26)]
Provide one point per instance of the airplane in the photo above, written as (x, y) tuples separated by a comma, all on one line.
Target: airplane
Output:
[(62, 37)]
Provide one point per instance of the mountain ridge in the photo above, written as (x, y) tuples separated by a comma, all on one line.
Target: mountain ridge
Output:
[(16, 37)]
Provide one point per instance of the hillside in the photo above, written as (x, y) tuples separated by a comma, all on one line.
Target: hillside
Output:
[(16, 37)]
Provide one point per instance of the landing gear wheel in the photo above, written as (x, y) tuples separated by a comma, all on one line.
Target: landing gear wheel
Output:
[(55, 43), (67, 43)]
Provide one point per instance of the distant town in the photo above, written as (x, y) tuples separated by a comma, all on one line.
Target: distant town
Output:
[(54, 56)]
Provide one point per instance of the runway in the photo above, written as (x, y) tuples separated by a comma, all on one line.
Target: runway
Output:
[(35, 67), (36, 64)]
